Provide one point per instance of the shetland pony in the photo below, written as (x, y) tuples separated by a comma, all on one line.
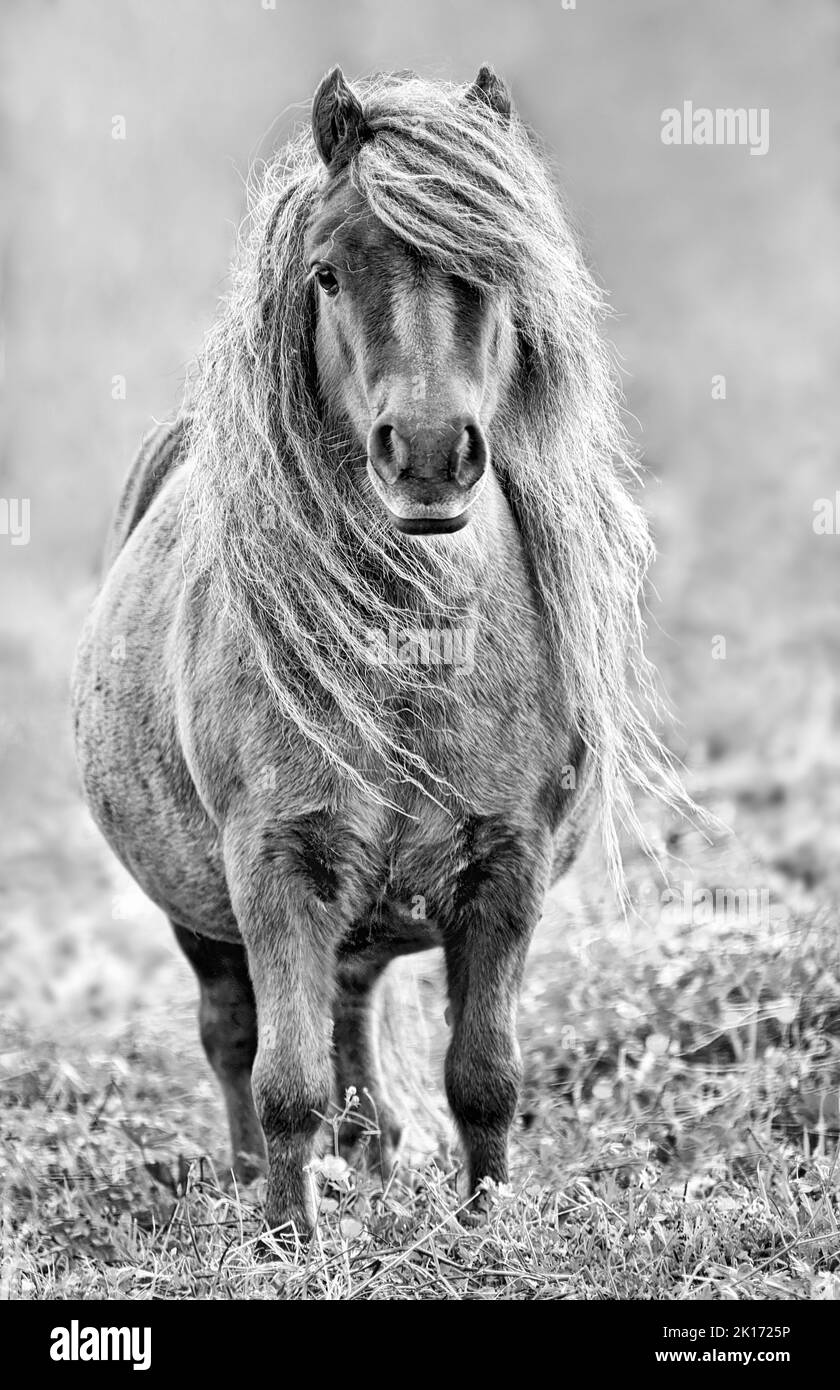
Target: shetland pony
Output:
[(403, 422)]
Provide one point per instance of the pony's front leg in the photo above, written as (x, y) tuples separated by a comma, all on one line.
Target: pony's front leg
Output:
[(290, 929), (497, 904)]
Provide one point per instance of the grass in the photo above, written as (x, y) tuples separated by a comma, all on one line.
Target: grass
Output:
[(677, 1138)]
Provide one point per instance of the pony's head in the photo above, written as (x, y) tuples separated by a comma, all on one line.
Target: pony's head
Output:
[(415, 357)]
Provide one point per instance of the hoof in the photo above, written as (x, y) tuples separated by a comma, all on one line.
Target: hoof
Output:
[(477, 1212), (374, 1153), (473, 1220), (288, 1235)]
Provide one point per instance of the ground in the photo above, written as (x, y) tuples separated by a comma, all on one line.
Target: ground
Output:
[(679, 1126)]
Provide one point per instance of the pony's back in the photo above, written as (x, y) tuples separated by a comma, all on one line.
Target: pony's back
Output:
[(162, 451)]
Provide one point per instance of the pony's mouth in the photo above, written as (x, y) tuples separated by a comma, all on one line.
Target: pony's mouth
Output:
[(448, 509), (428, 525)]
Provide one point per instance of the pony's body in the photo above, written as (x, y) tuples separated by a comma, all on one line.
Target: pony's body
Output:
[(405, 421), (168, 771)]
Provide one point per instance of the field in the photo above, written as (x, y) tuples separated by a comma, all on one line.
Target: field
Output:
[(679, 1127)]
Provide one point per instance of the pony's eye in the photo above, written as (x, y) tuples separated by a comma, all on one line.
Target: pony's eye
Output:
[(326, 279)]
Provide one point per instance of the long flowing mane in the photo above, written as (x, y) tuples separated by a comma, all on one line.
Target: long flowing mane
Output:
[(306, 570)]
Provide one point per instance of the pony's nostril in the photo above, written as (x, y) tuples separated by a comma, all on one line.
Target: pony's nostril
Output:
[(468, 457), (384, 452)]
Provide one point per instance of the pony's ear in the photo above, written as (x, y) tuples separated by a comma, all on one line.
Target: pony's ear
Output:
[(489, 89), (338, 120)]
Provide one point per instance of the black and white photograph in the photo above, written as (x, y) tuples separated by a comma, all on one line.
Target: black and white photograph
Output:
[(419, 653)]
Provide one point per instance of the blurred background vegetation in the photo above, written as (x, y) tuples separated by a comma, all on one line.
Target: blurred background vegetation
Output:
[(115, 254)]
